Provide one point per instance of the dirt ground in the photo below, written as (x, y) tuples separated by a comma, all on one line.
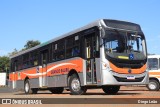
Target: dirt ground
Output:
[(125, 95)]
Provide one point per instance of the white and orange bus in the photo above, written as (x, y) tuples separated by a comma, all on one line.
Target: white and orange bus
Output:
[(154, 72), (104, 54)]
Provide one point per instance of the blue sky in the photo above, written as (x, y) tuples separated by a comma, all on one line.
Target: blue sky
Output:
[(22, 20)]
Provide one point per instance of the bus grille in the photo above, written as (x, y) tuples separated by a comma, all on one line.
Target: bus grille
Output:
[(128, 65), (121, 79)]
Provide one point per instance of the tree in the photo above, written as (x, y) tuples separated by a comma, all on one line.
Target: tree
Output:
[(4, 63), (31, 43), (15, 51)]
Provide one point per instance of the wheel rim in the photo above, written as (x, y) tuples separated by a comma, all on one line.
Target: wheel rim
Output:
[(75, 84), (152, 85), (27, 87)]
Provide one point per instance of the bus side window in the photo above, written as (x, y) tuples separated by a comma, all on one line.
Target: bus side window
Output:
[(19, 63), (35, 60), (58, 50), (15, 65), (75, 51), (26, 61), (72, 46)]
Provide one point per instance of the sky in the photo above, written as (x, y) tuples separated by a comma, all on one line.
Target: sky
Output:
[(23, 20)]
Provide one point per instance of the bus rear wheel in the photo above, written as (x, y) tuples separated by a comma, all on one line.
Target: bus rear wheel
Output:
[(75, 86), (111, 90), (34, 90), (153, 85), (28, 89), (56, 90)]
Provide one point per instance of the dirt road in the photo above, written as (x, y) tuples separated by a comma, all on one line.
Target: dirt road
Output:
[(132, 96)]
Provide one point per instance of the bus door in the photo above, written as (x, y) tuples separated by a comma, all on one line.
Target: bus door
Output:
[(44, 61), (90, 52)]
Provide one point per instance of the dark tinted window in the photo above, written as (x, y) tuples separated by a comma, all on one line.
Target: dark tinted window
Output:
[(122, 25), (34, 58), (26, 61), (72, 46), (58, 50), (152, 63)]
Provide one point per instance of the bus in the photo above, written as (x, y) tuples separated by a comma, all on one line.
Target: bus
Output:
[(154, 72), (104, 54)]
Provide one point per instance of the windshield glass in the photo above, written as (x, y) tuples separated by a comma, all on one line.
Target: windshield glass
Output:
[(122, 42), (152, 63)]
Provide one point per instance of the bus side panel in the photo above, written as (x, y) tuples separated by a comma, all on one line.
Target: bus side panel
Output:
[(34, 82), (57, 73), (61, 80), (30, 73), (20, 84), (81, 77), (98, 71), (154, 74), (11, 79), (57, 81), (63, 67)]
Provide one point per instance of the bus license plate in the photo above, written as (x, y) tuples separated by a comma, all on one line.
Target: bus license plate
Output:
[(130, 77)]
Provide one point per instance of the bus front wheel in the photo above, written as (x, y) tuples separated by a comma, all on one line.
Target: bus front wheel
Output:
[(153, 85), (111, 90), (75, 86)]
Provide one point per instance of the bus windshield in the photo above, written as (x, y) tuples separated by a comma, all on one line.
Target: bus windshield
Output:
[(152, 64), (122, 42)]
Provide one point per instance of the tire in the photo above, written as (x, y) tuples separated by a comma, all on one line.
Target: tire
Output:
[(67, 90), (27, 88), (34, 90), (153, 85), (75, 86), (56, 90), (111, 90)]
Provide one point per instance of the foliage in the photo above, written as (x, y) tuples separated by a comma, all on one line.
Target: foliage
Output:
[(4, 63), (31, 43), (15, 51)]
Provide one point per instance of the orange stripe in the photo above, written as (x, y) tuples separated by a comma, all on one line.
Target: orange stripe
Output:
[(158, 76), (155, 76), (125, 70), (154, 73), (57, 71)]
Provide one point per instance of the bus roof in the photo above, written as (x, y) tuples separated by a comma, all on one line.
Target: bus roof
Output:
[(153, 56), (101, 22)]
